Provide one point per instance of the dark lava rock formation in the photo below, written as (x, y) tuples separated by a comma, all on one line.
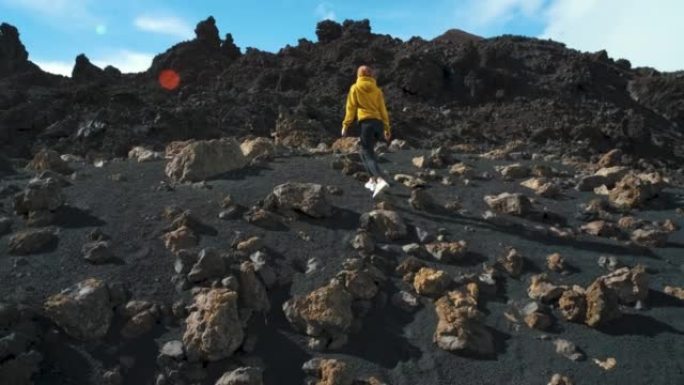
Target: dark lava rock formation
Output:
[(457, 87)]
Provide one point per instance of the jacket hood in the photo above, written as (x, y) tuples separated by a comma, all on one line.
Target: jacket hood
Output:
[(365, 83)]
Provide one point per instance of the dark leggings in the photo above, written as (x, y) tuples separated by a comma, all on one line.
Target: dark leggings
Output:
[(371, 132)]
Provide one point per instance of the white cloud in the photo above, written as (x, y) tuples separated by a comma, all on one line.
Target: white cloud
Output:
[(500, 11), (642, 32), (167, 25), (324, 11), (126, 61), (55, 67)]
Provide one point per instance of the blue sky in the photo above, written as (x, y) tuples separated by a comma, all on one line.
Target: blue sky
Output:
[(128, 33)]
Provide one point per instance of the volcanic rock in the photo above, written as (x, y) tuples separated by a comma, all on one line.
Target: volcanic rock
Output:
[(430, 282), (32, 241), (447, 251), (507, 203), (514, 171), (242, 376), (308, 198), (97, 252), (181, 239), (253, 294), (258, 148), (201, 160), (602, 304), (209, 265), (650, 237), (573, 305), (568, 350), (409, 181), (511, 262), (40, 195), (541, 288), (677, 292), (422, 200), (610, 159), (630, 285), (384, 224), (142, 154), (462, 170), (558, 379), (459, 326), (83, 311), (213, 330), (49, 160), (555, 262), (325, 313), (346, 145), (633, 190)]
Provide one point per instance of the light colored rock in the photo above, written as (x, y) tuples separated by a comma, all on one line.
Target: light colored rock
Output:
[(555, 262), (633, 190), (462, 170), (677, 292), (542, 289), (507, 203), (308, 198), (83, 311), (650, 237), (630, 285), (409, 181), (602, 304), (608, 364), (431, 282), (213, 330), (558, 379), (258, 147), (242, 376), (568, 350), (573, 305), (202, 160), (346, 145), (513, 171), (181, 239), (511, 262), (447, 251), (325, 312), (459, 325), (600, 228), (141, 154)]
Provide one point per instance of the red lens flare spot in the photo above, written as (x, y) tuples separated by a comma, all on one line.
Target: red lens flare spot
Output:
[(169, 79)]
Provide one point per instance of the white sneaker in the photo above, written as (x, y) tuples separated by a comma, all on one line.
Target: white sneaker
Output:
[(379, 187), (370, 185)]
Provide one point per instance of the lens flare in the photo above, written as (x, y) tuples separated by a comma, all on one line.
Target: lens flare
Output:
[(169, 79)]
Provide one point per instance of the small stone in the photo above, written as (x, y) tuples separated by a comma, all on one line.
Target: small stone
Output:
[(558, 379), (568, 350), (405, 301), (97, 252), (431, 282), (173, 350), (608, 364), (555, 262), (209, 265)]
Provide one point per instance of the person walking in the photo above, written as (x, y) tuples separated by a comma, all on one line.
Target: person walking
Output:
[(366, 103)]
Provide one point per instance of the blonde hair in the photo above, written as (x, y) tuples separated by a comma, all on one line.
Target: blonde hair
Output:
[(364, 70)]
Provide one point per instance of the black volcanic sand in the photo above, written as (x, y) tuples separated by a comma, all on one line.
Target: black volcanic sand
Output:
[(648, 344)]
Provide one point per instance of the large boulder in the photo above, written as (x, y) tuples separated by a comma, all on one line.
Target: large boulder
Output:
[(459, 325), (242, 376), (205, 159), (602, 304), (384, 224), (431, 282), (32, 241), (39, 195), (507, 203), (308, 198), (83, 311), (324, 313), (630, 285), (636, 189), (49, 160), (258, 148), (213, 330)]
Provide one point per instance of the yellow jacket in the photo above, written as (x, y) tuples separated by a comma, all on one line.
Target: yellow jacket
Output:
[(366, 101)]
